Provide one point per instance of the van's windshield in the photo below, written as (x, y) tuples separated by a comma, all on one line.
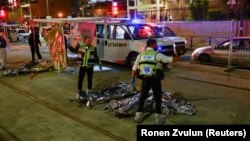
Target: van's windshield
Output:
[(142, 31), (164, 31)]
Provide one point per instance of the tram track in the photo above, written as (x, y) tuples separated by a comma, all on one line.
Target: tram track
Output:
[(62, 112), (91, 125)]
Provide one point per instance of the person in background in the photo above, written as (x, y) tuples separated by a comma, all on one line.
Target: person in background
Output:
[(148, 66), (66, 49), (3, 52), (87, 58), (34, 43)]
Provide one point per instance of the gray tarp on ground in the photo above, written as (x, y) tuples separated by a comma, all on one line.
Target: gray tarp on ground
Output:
[(123, 101), (32, 66)]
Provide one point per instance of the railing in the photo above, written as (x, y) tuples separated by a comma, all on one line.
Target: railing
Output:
[(194, 42), (239, 56)]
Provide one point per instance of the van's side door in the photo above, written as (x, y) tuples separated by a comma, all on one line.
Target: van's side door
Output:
[(100, 38), (116, 46)]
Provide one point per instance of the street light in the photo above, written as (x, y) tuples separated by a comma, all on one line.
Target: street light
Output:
[(60, 14)]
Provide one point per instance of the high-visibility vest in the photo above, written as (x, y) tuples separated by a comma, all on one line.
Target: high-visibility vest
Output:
[(86, 55), (148, 64)]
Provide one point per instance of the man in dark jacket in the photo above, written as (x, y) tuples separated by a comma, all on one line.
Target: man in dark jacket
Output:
[(3, 45), (34, 43)]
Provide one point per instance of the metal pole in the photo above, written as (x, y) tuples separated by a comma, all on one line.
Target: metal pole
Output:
[(30, 11), (158, 10), (241, 4), (47, 4), (128, 14), (112, 10), (231, 45)]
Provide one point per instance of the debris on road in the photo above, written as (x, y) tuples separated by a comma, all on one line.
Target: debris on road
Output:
[(123, 101), (33, 67)]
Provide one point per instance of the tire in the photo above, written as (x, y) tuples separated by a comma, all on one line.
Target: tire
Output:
[(205, 58)]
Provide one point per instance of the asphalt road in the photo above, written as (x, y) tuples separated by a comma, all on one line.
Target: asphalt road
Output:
[(40, 107)]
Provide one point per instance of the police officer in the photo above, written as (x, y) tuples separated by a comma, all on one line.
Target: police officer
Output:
[(148, 64), (87, 58)]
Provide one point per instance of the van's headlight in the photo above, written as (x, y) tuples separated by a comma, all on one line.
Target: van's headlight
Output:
[(159, 48)]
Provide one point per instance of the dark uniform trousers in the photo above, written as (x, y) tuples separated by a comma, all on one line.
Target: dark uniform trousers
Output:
[(147, 84), (81, 75)]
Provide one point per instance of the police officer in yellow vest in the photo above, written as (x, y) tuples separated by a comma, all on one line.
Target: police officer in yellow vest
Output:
[(87, 58), (148, 68)]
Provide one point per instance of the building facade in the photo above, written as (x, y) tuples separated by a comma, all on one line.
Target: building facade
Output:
[(164, 9), (43, 8), (155, 10)]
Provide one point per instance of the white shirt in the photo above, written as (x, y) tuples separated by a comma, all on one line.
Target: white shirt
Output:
[(159, 57)]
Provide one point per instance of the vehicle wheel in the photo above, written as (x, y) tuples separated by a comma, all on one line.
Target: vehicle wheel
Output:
[(131, 59), (205, 58)]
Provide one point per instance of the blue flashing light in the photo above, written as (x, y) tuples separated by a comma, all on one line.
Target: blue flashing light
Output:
[(159, 48), (136, 21)]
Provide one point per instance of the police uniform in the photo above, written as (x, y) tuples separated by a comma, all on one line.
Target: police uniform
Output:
[(87, 58), (148, 65)]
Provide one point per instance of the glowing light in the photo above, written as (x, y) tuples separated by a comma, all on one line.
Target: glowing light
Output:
[(60, 15), (115, 4), (136, 21), (2, 13), (159, 48), (114, 8)]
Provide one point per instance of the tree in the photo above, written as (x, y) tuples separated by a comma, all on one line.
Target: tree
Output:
[(234, 12), (199, 9), (77, 7)]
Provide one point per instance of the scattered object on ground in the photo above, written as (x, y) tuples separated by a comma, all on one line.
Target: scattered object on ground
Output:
[(127, 107), (123, 101), (68, 70), (115, 91), (33, 67)]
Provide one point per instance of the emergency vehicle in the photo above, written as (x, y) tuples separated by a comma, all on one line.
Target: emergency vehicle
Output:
[(166, 32), (116, 41), (122, 41)]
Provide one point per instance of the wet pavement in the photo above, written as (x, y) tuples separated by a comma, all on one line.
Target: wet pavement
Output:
[(43, 107)]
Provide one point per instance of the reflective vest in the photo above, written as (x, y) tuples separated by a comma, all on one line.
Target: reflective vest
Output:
[(148, 64), (86, 56)]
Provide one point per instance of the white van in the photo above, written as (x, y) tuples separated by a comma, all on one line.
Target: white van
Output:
[(121, 42), (166, 32), (116, 41)]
